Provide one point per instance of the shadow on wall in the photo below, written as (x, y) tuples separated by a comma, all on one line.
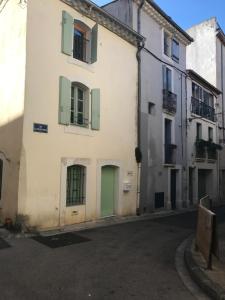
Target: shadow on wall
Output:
[(10, 153)]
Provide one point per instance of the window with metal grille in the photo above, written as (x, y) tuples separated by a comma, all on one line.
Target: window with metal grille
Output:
[(75, 190), (1, 173)]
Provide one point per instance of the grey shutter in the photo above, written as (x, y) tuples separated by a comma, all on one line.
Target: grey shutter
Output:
[(64, 100), (164, 77), (67, 33), (95, 109), (94, 44)]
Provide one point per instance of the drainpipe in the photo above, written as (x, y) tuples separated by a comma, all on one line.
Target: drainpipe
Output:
[(222, 89), (138, 153)]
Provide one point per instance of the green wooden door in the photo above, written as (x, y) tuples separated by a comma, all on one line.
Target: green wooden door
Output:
[(108, 184)]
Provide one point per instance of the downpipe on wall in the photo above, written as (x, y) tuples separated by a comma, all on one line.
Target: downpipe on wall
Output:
[(138, 153)]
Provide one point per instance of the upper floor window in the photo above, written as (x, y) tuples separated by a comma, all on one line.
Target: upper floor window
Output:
[(79, 105), (167, 79), (167, 43), (202, 102), (175, 50), (74, 106), (198, 131), (210, 134), (171, 47), (78, 40)]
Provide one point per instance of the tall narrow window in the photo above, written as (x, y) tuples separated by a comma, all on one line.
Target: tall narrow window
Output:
[(167, 79), (175, 50), (79, 105), (1, 173), (198, 131), (167, 43), (75, 190), (81, 41), (210, 133), (79, 48)]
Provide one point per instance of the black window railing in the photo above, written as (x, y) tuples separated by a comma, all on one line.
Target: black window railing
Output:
[(169, 101), (201, 109), (170, 154)]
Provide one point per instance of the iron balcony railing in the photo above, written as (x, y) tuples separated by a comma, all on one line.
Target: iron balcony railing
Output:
[(169, 101), (170, 154), (202, 109), (212, 154)]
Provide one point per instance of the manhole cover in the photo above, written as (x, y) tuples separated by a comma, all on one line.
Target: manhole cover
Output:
[(61, 240), (3, 244)]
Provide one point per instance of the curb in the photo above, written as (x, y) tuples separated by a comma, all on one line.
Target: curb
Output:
[(211, 288)]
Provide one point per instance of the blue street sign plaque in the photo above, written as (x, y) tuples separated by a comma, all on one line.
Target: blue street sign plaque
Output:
[(42, 128)]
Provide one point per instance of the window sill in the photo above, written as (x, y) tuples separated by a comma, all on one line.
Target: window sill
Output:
[(81, 64), (79, 130)]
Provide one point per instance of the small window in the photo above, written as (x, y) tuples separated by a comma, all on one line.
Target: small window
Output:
[(1, 173), (167, 43), (210, 134), (175, 50), (79, 105), (197, 91), (81, 41), (151, 108), (198, 131), (75, 190), (167, 79)]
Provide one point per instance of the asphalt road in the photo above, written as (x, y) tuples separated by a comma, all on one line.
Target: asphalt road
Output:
[(129, 261)]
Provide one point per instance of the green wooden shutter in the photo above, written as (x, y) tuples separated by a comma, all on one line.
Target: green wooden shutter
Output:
[(67, 33), (95, 109), (64, 100), (86, 108), (94, 44)]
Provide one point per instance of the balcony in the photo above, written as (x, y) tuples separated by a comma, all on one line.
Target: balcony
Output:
[(170, 154), (200, 153), (169, 101), (203, 147), (212, 154), (201, 109)]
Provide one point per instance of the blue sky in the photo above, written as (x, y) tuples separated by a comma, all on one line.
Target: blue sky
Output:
[(189, 12)]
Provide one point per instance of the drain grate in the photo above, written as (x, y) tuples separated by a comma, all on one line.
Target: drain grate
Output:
[(3, 244), (60, 240)]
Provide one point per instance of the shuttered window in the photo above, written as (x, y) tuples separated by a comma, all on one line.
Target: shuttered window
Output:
[(75, 189), (78, 40), (74, 104)]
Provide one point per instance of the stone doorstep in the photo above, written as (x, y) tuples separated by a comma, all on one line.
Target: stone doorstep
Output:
[(212, 282)]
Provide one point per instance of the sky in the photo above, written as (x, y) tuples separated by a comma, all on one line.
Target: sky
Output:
[(189, 12)]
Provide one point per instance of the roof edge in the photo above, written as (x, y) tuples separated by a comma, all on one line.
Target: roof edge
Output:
[(195, 76)]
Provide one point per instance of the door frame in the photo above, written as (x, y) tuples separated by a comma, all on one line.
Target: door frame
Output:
[(118, 194), (66, 162)]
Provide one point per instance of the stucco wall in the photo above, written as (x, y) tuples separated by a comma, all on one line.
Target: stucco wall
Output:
[(201, 54), (12, 81), (43, 156), (155, 177)]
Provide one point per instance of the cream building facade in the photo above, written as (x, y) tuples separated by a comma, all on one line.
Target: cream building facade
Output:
[(68, 120)]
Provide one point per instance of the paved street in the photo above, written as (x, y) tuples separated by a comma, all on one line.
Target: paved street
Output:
[(128, 261)]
